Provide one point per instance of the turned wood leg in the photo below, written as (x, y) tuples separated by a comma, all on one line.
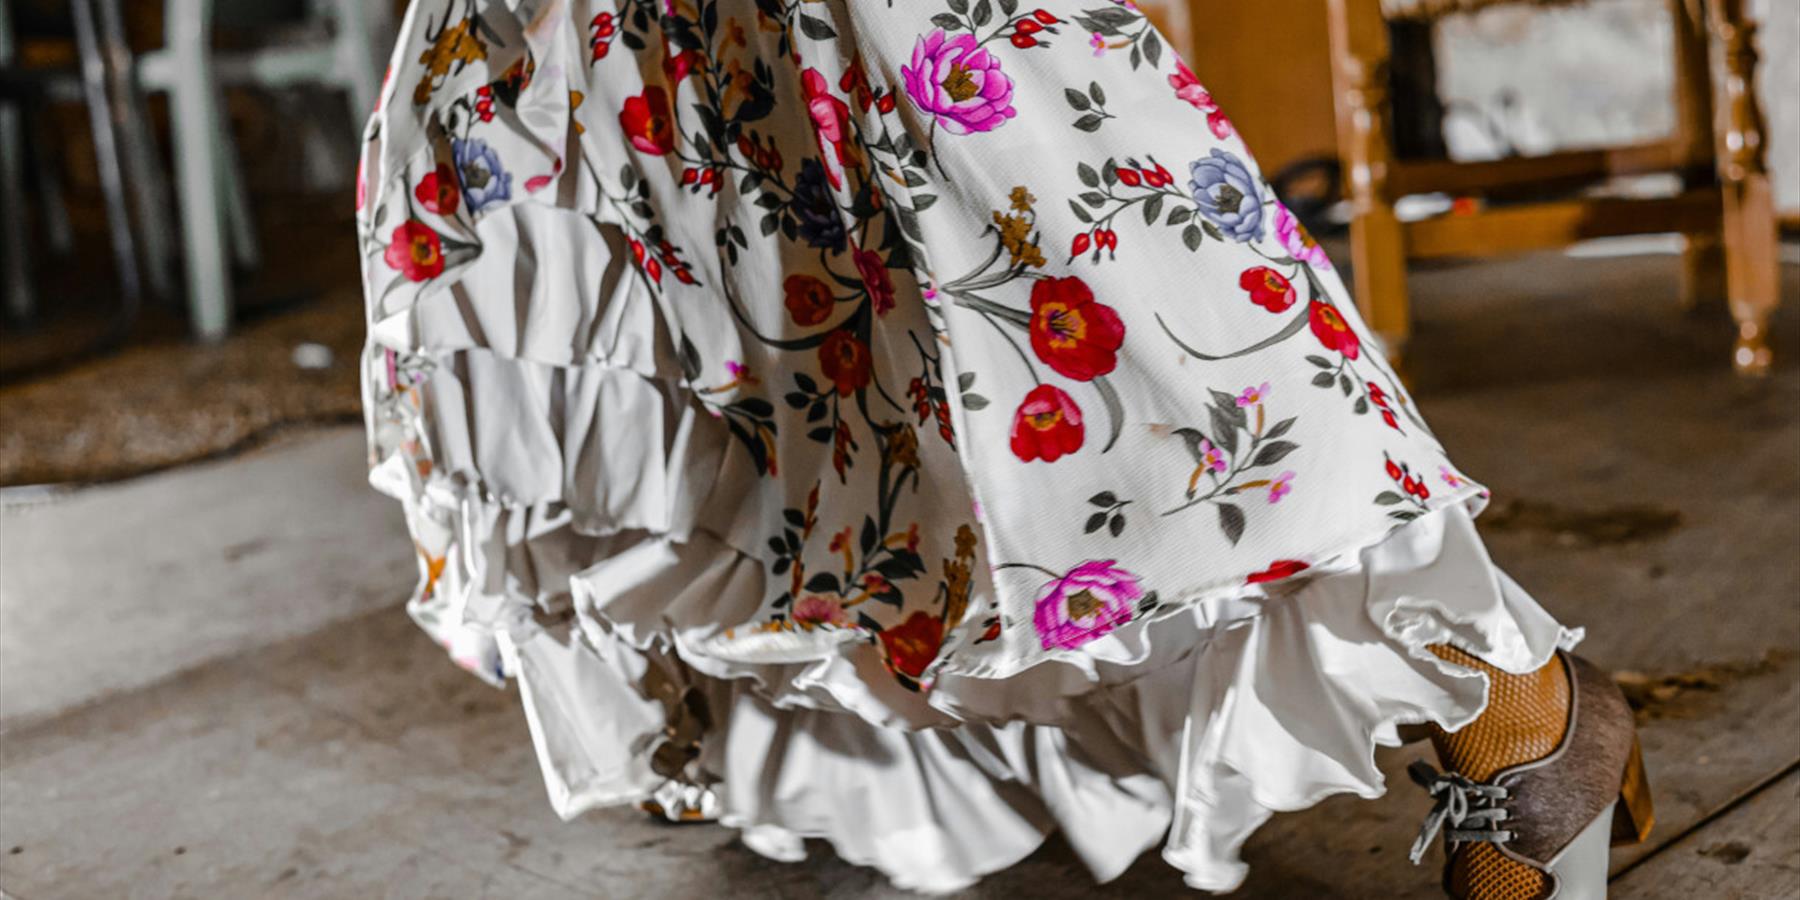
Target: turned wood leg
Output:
[(1378, 255), (1702, 270), (1703, 257), (1752, 249), (1360, 51)]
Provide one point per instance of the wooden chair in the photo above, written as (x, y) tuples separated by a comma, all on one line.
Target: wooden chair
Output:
[(1725, 208)]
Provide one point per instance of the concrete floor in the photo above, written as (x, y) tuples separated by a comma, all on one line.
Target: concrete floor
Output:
[(207, 687)]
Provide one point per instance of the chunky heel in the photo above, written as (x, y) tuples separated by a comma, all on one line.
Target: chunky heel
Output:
[(1635, 813), (1540, 827)]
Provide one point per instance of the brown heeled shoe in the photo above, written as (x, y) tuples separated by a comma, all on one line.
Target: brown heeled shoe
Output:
[(1536, 786)]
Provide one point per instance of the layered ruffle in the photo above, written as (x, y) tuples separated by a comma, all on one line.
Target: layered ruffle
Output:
[(576, 514), (1190, 729)]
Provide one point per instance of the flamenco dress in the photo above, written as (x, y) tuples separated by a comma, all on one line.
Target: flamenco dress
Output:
[(915, 425)]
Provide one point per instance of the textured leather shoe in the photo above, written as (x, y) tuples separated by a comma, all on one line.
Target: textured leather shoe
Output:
[(1536, 786)]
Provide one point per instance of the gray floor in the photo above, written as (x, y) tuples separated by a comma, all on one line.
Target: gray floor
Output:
[(207, 688)]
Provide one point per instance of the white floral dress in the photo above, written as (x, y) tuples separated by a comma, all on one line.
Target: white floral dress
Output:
[(920, 399)]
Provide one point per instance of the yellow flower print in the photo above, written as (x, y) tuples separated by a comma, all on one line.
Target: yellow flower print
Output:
[(455, 47)]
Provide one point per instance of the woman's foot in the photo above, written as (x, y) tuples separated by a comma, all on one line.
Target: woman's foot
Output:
[(1535, 787)]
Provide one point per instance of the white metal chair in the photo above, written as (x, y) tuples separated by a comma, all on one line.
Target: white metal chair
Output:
[(342, 55)]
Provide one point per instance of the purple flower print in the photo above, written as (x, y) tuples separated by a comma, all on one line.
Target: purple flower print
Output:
[(1253, 395), (959, 83), (815, 208), (1088, 602), (1227, 195), (1296, 241), (478, 170), (1212, 459), (1281, 486)]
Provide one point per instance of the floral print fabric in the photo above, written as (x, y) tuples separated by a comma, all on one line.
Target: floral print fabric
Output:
[(1011, 342)]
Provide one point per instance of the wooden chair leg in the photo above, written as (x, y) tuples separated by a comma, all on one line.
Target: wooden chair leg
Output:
[(1752, 248), (1360, 72), (1702, 270), (1703, 257)]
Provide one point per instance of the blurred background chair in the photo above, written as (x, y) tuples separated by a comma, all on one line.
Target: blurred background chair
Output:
[(208, 47), (329, 43), (121, 148), (1724, 207)]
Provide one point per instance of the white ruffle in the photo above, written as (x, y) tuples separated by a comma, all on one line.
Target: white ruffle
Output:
[(1255, 714), (577, 555)]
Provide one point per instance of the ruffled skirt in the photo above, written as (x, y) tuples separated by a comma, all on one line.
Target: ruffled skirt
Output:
[(746, 411)]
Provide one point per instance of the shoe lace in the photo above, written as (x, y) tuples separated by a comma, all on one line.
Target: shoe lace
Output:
[(1472, 809)]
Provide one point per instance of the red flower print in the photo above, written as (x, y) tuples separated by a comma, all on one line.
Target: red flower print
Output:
[(676, 66), (830, 119), (1377, 396), (1072, 333), (601, 42), (415, 251), (1277, 570), (874, 273), (1047, 425), (844, 360), (1080, 244), (911, 646), (855, 83), (647, 122), (1268, 289), (438, 193), (809, 300), (1329, 327), (992, 633)]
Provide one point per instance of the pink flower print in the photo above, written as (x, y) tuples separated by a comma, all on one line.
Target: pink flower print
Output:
[(1098, 43), (1295, 239), (873, 270), (1188, 88), (1451, 478), (1253, 395), (1088, 602), (813, 611), (1212, 459), (830, 118), (1281, 486), (959, 83)]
